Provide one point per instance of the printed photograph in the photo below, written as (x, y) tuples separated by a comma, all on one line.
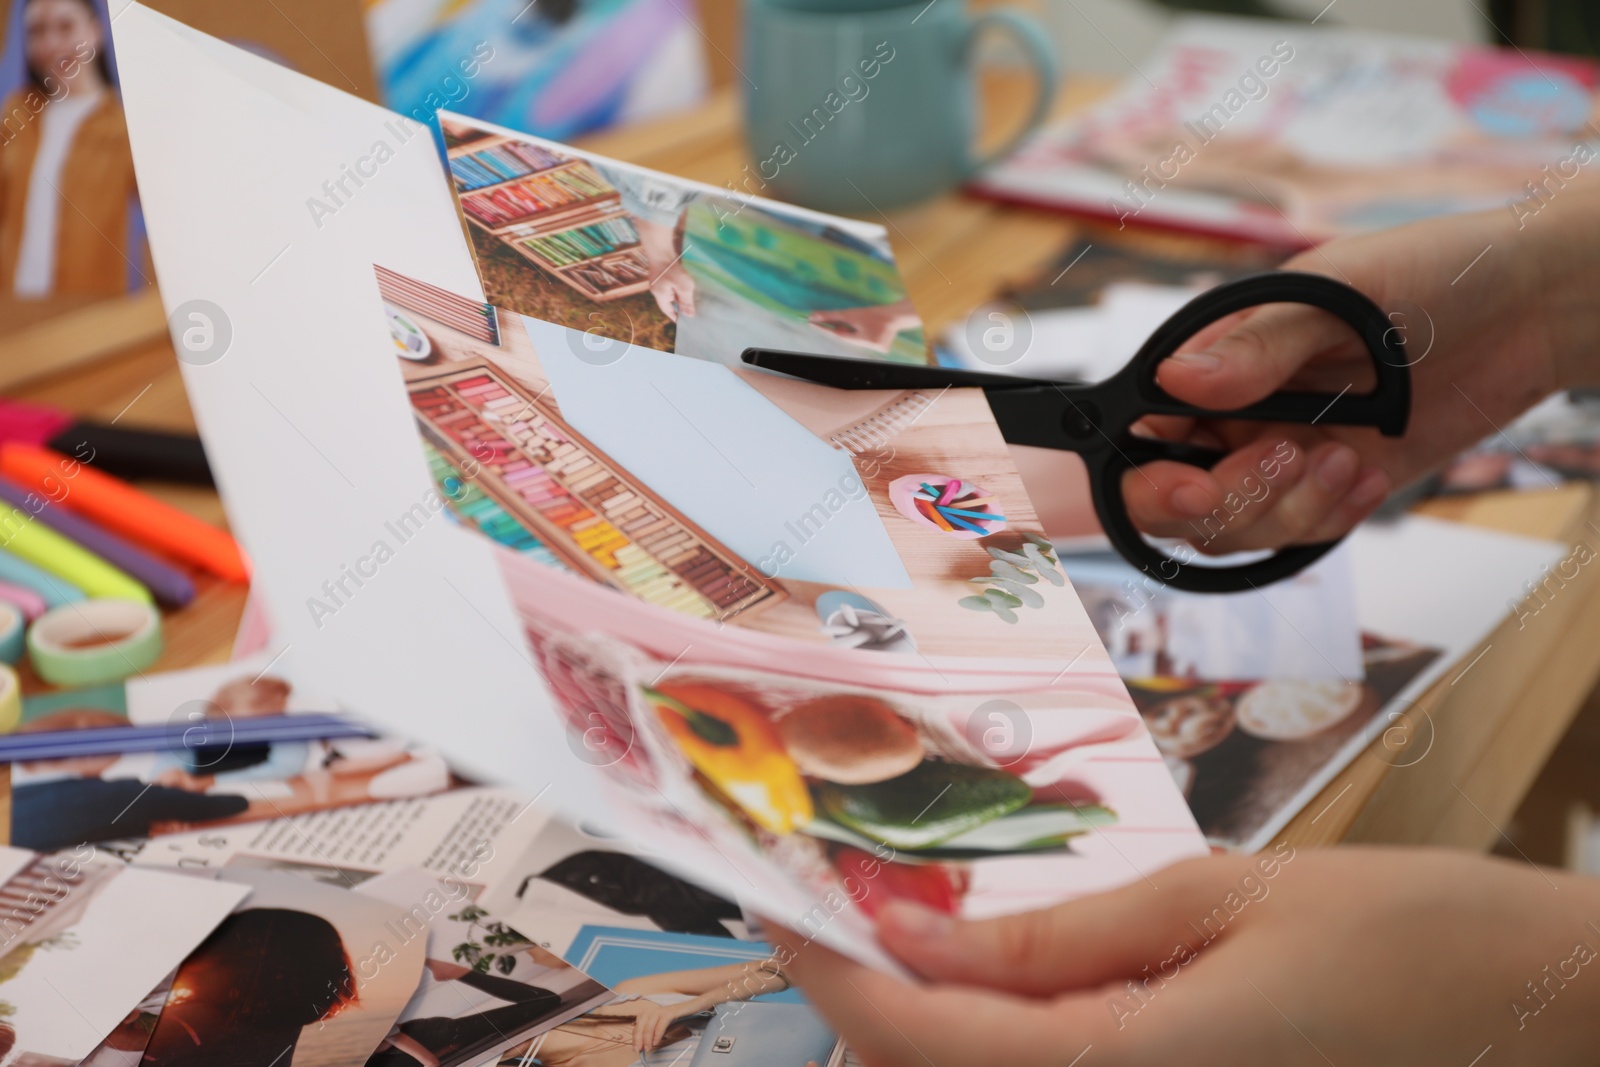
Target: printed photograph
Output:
[(485, 985), (1241, 751), (72, 234), (1248, 129), (1553, 443), (645, 258), (556, 67), (64, 152), (682, 999), (571, 875), (104, 796), (301, 975), (83, 942), (972, 787), (887, 520)]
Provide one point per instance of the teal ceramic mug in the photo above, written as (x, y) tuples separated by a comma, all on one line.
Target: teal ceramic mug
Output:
[(854, 106)]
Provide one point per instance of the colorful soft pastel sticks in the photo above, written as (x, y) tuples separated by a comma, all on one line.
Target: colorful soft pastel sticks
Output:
[(171, 586), (120, 507), (44, 548)]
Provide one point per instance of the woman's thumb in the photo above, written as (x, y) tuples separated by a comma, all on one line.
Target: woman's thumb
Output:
[(1252, 357), (1080, 944)]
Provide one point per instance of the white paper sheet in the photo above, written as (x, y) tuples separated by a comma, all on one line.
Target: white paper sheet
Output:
[(303, 414)]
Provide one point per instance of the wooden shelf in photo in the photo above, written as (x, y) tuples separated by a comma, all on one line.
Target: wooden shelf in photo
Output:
[(477, 144), (569, 164), (518, 243), (572, 276), (537, 226), (543, 221)]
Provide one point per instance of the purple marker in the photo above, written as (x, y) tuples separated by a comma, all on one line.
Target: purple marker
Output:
[(167, 584)]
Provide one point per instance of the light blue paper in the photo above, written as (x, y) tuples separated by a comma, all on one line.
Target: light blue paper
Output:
[(727, 457)]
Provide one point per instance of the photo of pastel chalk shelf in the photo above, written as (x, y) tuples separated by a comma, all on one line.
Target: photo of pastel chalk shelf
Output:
[(728, 494), (648, 258)]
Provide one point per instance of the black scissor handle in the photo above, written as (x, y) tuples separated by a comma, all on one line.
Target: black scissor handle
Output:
[(1387, 407), (1105, 486)]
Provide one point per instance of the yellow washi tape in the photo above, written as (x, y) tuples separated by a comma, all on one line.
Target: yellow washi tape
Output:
[(10, 700)]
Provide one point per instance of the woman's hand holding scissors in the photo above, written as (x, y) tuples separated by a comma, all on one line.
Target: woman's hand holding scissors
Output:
[(1496, 312)]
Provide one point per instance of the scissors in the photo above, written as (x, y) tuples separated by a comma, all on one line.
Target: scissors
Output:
[(1096, 421)]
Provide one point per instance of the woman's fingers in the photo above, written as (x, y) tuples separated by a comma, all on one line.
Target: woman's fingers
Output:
[(1170, 499), (1267, 493), (1290, 516), (1252, 359), (892, 1023), (1372, 487), (1081, 944)]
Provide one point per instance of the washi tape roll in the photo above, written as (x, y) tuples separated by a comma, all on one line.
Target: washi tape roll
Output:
[(12, 626), (10, 700), (94, 642), (25, 600)]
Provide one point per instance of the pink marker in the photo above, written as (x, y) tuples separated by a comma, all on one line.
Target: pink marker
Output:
[(28, 602), (951, 488)]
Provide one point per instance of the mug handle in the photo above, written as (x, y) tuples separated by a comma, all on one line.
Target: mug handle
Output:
[(1036, 44)]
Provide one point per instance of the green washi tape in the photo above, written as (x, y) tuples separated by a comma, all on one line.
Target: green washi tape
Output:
[(94, 642)]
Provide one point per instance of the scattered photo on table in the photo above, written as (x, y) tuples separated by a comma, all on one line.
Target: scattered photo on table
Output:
[(470, 836), (60, 803), (1241, 751), (571, 875), (301, 975), (64, 802), (641, 257), (558, 67), (683, 999), (485, 985), (1555, 442), (1304, 626), (1331, 131), (84, 941), (250, 687)]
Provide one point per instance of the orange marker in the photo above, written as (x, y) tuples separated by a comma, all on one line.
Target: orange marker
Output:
[(119, 506)]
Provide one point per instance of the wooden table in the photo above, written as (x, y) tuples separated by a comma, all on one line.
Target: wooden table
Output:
[(1488, 725)]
